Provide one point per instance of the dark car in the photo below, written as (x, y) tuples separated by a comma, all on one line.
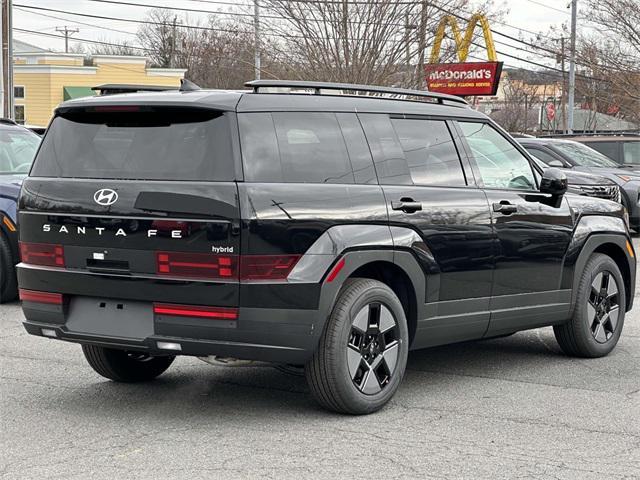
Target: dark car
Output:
[(587, 184), (334, 231), (622, 149), (17, 149), (563, 153)]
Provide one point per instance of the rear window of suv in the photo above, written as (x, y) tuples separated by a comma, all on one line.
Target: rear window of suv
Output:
[(147, 144)]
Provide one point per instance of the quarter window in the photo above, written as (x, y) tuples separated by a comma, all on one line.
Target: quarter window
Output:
[(294, 147), (430, 152), (500, 164)]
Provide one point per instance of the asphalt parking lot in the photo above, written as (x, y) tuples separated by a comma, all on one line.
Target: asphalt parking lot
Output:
[(507, 408)]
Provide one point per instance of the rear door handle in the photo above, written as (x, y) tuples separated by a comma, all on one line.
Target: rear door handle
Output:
[(505, 207), (407, 205)]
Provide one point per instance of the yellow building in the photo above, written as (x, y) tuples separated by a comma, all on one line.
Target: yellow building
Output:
[(44, 79)]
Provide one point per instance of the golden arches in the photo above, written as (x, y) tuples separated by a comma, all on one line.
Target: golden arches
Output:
[(463, 43)]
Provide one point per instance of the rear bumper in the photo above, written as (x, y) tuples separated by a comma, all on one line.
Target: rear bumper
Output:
[(264, 351), (284, 331)]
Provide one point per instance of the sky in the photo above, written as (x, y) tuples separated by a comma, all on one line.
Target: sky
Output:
[(527, 15)]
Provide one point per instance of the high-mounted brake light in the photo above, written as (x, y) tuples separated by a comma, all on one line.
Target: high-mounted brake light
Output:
[(40, 297), (204, 265), (117, 108), (47, 254), (267, 267), (213, 313)]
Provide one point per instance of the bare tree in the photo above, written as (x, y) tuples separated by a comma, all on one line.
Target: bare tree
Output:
[(525, 93), (368, 41), (610, 59)]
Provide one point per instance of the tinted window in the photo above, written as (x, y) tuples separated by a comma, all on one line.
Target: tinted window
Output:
[(631, 153), (359, 152), (165, 144), (309, 148), (429, 151), (542, 155), (583, 155), (17, 149), (610, 149), (391, 166), (500, 164)]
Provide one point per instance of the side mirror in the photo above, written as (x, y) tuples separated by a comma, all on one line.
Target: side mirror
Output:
[(556, 164), (554, 182)]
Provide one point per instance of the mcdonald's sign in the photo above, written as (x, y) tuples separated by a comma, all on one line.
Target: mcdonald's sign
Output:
[(464, 78)]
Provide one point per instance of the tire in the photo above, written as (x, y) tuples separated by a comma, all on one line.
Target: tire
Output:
[(124, 366), (362, 354), (598, 316), (8, 280)]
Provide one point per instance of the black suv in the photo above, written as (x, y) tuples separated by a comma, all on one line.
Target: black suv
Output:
[(328, 226)]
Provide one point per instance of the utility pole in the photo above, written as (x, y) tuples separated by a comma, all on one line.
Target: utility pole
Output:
[(563, 94), (572, 65), (407, 50), (345, 38), (172, 53), (256, 40), (67, 32), (6, 60), (422, 34)]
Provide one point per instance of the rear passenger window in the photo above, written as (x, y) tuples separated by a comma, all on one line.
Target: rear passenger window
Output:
[(294, 147), (430, 152), (388, 156)]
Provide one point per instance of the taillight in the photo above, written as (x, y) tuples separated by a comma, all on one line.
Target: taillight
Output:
[(213, 313), (267, 267), (207, 265), (48, 254), (40, 297), (204, 265)]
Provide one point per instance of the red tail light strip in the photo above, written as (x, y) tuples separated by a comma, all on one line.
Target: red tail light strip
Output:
[(40, 297), (204, 265), (226, 267), (214, 313), (267, 267), (48, 254)]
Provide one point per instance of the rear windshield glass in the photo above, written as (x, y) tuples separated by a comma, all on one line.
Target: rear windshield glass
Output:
[(158, 144)]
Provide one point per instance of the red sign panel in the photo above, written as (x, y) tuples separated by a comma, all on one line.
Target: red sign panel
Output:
[(471, 78), (550, 108)]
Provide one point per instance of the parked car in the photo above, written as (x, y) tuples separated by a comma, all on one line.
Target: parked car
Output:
[(17, 149), (622, 149), (587, 184), (563, 153), (336, 231)]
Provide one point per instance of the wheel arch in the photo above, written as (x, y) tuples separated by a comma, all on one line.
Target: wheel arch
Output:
[(397, 280), (614, 246)]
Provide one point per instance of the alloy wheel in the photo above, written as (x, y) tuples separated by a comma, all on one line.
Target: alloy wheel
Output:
[(603, 306), (373, 348)]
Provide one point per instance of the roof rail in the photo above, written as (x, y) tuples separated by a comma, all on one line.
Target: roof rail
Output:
[(441, 98), (612, 133)]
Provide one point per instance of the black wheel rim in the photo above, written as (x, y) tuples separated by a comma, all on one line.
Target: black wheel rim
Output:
[(603, 306), (373, 348)]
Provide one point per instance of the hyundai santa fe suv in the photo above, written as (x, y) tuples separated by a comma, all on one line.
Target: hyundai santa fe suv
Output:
[(330, 226)]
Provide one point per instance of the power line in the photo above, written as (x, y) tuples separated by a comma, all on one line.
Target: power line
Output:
[(22, 9), (299, 36), (111, 44), (198, 27)]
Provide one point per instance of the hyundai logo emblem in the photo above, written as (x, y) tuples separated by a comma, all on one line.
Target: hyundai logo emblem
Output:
[(105, 196)]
